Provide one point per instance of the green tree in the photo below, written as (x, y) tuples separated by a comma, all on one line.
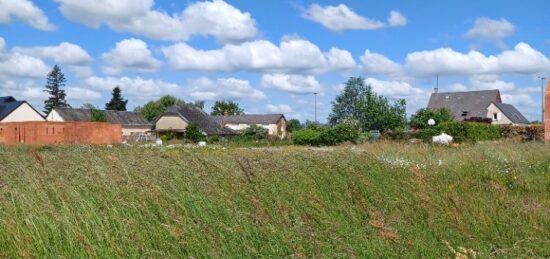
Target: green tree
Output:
[(419, 119), (96, 115), (293, 125), (359, 104), (153, 109), (54, 84), (226, 108), (117, 103), (194, 133)]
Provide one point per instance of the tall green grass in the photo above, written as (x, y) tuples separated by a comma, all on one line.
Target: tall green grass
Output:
[(372, 201)]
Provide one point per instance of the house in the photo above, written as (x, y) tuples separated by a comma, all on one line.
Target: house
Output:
[(477, 104), (177, 118), (274, 123), (12, 110), (133, 123)]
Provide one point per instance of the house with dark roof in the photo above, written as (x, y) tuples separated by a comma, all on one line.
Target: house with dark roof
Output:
[(477, 104), (12, 110), (177, 118), (133, 123), (274, 123)]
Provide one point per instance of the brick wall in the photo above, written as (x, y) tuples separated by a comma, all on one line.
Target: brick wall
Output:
[(46, 133), (547, 113)]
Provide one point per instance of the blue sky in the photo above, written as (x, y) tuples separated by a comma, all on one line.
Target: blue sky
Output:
[(270, 56)]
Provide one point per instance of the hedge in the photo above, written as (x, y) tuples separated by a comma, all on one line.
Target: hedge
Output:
[(462, 131)]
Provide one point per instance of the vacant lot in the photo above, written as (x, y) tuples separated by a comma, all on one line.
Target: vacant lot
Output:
[(376, 200)]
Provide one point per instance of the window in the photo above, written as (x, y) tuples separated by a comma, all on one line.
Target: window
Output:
[(464, 113), (495, 116)]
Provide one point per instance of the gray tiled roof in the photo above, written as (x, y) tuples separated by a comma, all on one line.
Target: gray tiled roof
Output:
[(9, 104), (125, 118), (475, 103), (250, 119), (195, 115), (512, 113)]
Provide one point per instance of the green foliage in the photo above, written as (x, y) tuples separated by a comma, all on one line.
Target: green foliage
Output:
[(54, 84), (221, 108), (307, 136), (293, 125), (255, 132), (329, 136), (363, 137), (373, 112), (117, 103), (194, 133), (153, 109), (419, 120), (95, 114), (470, 131)]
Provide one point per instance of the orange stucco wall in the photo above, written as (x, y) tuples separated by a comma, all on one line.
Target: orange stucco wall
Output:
[(547, 113), (46, 133)]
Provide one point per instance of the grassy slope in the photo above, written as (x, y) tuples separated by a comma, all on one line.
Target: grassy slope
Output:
[(378, 200)]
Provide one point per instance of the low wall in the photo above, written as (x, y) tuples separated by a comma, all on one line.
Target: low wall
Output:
[(46, 133)]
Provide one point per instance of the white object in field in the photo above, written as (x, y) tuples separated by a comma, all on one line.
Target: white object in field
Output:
[(443, 139), (431, 122), (202, 144), (159, 142)]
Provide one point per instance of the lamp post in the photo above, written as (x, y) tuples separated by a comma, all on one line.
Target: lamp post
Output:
[(542, 97)]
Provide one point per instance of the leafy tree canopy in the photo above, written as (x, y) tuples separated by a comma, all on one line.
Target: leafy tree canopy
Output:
[(55, 82), (96, 115), (419, 119), (117, 103), (194, 133), (358, 104), (226, 108), (153, 109), (293, 125)]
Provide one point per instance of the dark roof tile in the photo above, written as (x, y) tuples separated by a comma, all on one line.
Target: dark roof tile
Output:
[(250, 119), (195, 115), (125, 118)]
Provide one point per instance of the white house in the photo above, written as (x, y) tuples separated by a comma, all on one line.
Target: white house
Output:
[(12, 110), (274, 123)]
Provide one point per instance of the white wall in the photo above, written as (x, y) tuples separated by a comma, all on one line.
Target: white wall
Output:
[(502, 119), (23, 113), (54, 116), (272, 128)]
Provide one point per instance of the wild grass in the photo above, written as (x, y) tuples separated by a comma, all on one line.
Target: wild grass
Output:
[(375, 200)]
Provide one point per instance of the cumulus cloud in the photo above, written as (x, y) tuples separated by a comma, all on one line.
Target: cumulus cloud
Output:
[(209, 18), (222, 89), (26, 12), (130, 55), (523, 59), (292, 55), (64, 53), (82, 94), (341, 18), (485, 28), (139, 90), (374, 63), (281, 108), (21, 65), (296, 84)]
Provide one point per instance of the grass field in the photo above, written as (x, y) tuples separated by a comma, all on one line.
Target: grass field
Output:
[(368, 201)]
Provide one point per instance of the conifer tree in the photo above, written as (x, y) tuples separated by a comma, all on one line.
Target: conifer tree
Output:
[(117, 103), (54, 84)]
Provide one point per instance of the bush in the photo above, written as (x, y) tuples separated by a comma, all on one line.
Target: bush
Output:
[(419, 120), (470, 131), (194, 133), (426, 134), (214, 139), (528, 133), (307, 136), (255, 132), (363, 137), (339, 133)]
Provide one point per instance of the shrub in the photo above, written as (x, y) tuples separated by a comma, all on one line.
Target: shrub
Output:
[(400, 134), (255, 132), (419, 120), (214, 139), (529, 132), (426, 134), (479, 120), (307, 136), (363, 137), (340, 133), (470, 131), (194, 133)]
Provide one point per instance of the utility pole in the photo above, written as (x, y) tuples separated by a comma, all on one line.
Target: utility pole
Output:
[(315, 107), (436, 83), (542, 97)]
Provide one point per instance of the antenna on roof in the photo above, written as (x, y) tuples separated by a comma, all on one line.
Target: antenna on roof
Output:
[(436, 89)]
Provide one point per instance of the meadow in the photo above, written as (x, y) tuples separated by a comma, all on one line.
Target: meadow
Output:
[(376, 200)]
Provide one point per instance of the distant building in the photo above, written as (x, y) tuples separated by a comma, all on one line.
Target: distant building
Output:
[(12, 110), (177, 118), (133, 123), (274, 123), (477, 104)]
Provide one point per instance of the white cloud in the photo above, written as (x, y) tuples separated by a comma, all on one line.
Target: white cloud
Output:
[(24, 11), (486, 28), (137, 89), (2, 45), (375, 63), (296, 84), (397, 19), (82, 94), (523, 59), (21, 65), (292, 55), (281, 108), (208, 18), (222, 89), (64, 53), (393, 89), (132, 55), (341, 18)]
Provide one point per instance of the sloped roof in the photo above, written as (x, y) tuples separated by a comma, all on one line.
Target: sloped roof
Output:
[(475, 103), (250, 119), (512, 113), (9, 104), (125, 118), (7, 99), (195, 115)]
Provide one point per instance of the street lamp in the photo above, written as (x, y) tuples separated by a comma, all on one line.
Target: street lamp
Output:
[(542, 97)]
